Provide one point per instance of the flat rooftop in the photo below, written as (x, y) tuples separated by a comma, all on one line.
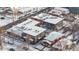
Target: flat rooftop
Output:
[(48, 18), (27, 27), (28, 22), (34, 30), (53, 36), (30, 9), (65, 10), (56, 12)]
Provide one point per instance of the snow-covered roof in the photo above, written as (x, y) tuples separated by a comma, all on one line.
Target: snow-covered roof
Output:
[(27, 27), (53, 36), (23, 9), (34, 30), (41, 16), (65, 10), (48, 18), (54, 20), (57, 12), (30, 9), (28, 22)]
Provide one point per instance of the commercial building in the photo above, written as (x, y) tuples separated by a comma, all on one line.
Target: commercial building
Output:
[(28, 29), (49, 21), (53, 38), (63, 10)]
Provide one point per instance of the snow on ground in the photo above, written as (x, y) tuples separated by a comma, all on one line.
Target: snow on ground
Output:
[(14, 43), (8, 19)]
